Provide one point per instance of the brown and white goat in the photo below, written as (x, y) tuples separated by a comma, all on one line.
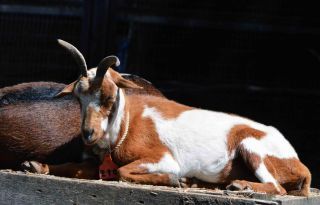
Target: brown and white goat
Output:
[(156, 141)]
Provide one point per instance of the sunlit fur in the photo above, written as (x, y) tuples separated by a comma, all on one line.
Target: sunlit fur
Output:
[(168, 140), (96, 104)]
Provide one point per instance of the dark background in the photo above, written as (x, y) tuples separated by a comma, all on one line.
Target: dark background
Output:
[(259, 59)]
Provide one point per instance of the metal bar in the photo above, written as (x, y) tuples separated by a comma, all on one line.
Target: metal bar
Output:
[(41, 10), (218, 24)]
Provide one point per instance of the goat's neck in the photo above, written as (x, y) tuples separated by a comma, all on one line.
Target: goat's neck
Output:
[(115, 123)]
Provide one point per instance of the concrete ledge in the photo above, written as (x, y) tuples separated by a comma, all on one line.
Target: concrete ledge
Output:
[(20, 188)]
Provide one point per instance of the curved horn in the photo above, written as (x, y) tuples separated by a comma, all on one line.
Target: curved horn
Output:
[(105, 64), (76, 54)]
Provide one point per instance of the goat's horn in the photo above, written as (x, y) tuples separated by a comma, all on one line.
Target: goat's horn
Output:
[(105, 64), (77, 55)]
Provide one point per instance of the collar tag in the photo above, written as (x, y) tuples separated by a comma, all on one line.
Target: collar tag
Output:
[(108, 169)]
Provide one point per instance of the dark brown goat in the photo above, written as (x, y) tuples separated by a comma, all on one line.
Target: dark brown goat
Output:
[(37, 126)]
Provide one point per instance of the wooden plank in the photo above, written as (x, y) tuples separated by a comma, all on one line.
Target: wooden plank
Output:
[(20, 188)]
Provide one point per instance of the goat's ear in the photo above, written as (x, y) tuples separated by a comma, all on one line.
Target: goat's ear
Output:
[(124, 83), (67, 90), (121, 82)]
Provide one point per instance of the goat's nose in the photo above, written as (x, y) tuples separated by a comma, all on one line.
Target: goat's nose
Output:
[(87, 134)]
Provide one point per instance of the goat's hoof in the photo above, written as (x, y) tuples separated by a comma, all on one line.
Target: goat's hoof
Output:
[(174, 180), (35, 167), (188, 182), (183, 183), (238, 186)]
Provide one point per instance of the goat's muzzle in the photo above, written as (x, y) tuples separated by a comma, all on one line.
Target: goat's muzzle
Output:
[(88, 136)]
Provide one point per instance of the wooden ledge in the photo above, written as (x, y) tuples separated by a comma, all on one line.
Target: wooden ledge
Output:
[(21, 188)]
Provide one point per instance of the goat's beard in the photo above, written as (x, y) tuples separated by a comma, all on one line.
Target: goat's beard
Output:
[(104, 142)]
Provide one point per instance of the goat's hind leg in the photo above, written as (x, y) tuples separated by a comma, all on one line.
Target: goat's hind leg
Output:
[(294, 176), (256, 163)]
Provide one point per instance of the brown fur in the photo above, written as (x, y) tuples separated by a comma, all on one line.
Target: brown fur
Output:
[(134, 173), (24, 130), (168, 108), (122, 82), (142, 140), (22, 87), (294, 176), (239, 133)]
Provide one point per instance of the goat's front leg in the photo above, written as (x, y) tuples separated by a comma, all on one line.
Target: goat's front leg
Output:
[(135, 172), (85, 170)]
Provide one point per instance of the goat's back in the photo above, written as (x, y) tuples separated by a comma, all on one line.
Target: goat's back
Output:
[(35, 125)]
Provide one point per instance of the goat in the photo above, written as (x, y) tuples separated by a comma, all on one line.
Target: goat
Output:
[(157, 141), (42, 132)]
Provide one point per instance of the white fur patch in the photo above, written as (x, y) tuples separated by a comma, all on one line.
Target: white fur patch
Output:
[(198, 148), (273, 144), (112, 126), (197, 140), (265, 176), (166, 165), (276, 145), (253, 145)]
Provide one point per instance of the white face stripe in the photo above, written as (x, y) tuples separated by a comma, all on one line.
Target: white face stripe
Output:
[(87, 101)]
